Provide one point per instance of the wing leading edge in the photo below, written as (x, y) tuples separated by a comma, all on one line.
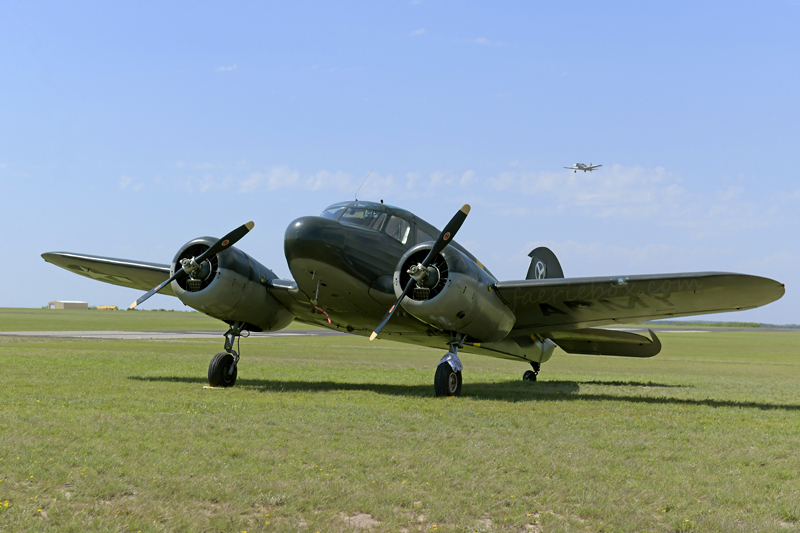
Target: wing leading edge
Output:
[(548, 305), (124, 272)]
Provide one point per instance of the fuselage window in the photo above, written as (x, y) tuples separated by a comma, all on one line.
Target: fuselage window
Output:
[(333, 213), (397, 228), (368, 218)]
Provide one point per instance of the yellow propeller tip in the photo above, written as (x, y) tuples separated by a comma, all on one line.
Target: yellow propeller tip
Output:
[(465, 209), (372, 337), (132, 305), (250, 225)]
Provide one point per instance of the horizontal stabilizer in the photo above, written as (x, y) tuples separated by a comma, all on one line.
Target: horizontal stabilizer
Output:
[(593, 341)]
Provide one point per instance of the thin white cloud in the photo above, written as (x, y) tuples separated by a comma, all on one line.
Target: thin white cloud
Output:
[(3, 165), (420, 31), (276, 178), (329, 180), (227, 69), (126, 182)]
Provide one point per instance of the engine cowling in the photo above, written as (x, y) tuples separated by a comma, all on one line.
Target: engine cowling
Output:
[(230, 286), (461, 300)]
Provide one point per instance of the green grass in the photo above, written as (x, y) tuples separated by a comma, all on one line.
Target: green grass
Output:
[(116, 435), (12, 319)]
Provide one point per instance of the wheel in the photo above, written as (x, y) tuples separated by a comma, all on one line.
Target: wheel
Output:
[(446, 382), (218, 375), (529, 375)]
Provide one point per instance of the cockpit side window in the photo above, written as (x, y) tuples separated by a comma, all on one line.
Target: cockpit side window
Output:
[(398, 229), (333, 212), (368, 218)]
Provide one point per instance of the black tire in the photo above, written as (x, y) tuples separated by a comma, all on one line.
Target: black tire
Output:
[(218, 375), (446, 382), (529, 375)]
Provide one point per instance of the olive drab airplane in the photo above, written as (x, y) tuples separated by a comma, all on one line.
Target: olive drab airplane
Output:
[(375, 270)]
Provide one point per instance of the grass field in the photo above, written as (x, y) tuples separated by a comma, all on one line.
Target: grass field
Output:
[(12, 319), (333, 434)]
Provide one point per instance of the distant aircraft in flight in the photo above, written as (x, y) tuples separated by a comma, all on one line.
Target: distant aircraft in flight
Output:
[(585, 168)]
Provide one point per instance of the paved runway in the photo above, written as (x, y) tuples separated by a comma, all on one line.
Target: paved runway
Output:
[(132, 335)]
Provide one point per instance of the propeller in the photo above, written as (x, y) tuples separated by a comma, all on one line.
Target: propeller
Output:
[(195, 264), (420, 272)]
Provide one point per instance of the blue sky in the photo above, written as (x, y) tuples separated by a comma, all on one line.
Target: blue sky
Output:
[(127, 129)]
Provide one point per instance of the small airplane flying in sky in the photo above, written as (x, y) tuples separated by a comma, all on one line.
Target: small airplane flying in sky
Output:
[(379, 271), (585, 168)]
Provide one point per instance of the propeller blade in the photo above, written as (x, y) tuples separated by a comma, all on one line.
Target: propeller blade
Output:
[(157, 288), (447, 234), (445, 237), (228, 240), (391, 311)]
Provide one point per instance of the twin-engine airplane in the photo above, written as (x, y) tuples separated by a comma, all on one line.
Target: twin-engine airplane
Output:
[(359, 259), (585, 168)]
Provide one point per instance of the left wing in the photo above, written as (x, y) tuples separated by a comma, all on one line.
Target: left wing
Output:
[(124, 272), (547, 305)]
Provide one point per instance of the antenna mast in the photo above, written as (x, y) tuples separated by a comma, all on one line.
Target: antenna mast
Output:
[(362, 184)]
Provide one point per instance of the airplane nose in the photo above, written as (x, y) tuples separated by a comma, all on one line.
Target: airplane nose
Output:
[(313, 238)]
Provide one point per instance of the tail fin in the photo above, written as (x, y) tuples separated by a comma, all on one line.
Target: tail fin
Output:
[(544, 265)]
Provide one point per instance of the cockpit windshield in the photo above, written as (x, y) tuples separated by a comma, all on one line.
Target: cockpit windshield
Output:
[(372, 216), (334, 212), (360, 216)]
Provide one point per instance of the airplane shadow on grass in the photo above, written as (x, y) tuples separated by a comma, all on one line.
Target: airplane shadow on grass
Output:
[(510, 391)]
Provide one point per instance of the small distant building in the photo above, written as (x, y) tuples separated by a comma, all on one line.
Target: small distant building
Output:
[(63, 304), (107, 307)]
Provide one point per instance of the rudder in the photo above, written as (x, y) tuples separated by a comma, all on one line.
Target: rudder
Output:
[(544, 265)]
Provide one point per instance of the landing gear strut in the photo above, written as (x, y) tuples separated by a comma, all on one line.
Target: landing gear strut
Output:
[(222, 369), (530, 375), (447, 381)]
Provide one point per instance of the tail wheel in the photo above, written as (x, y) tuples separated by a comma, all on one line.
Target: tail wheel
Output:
[(219, 371), (447, 382)]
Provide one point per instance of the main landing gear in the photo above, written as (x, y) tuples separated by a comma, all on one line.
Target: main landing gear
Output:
[(447, 381), (530, 375), (222, 369)]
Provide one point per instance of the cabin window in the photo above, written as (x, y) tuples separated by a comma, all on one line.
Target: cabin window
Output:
[(398, 229), (368, 218)]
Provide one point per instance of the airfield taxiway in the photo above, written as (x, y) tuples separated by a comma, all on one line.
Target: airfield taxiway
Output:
[(137, 335), (134, 335)]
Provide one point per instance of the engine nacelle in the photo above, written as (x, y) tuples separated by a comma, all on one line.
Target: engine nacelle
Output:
[(461, 300), (230, 286)]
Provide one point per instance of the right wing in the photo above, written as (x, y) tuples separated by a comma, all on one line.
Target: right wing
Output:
[(127, 273), (544, 306)]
